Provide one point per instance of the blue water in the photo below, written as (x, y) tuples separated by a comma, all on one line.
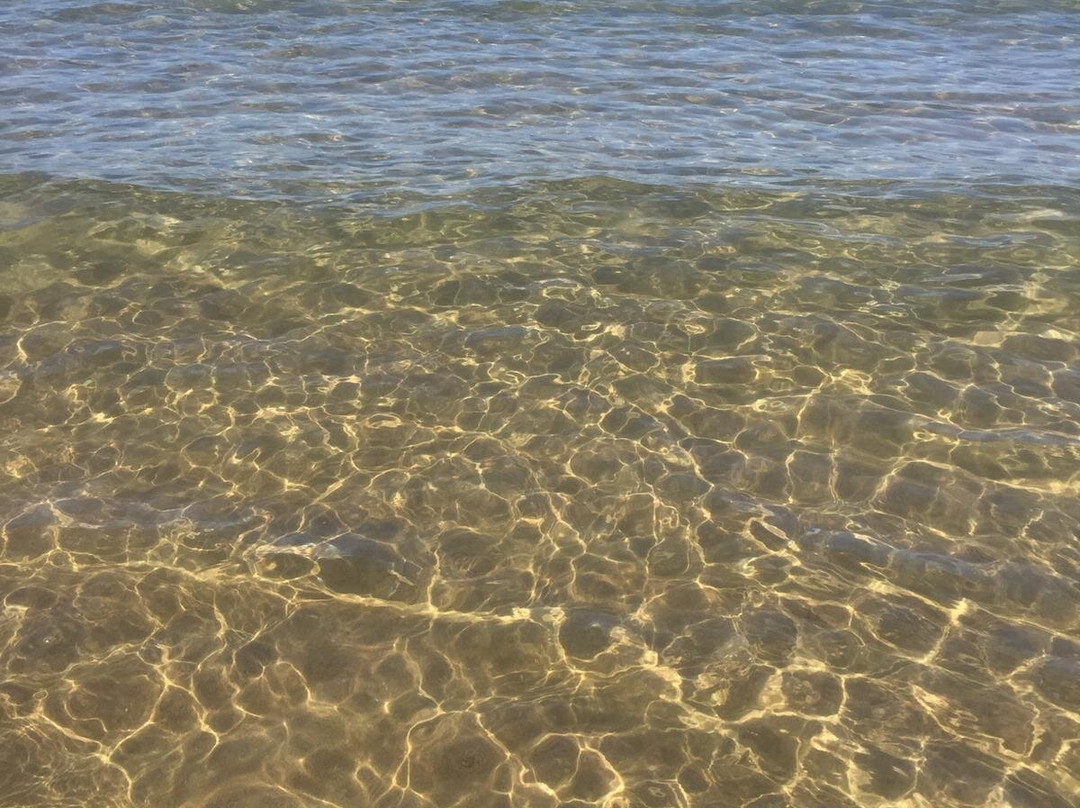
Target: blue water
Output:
[(325, 100)]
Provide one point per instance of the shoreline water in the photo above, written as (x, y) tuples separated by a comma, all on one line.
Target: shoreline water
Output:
[(532, 404)]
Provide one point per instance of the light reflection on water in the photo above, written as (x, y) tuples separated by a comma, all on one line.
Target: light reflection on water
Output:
[(542, 432)]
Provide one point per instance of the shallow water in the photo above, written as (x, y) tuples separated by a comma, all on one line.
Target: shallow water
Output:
[(540, 404)]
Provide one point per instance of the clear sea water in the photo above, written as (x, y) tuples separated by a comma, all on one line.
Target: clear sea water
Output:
[(644, 405)]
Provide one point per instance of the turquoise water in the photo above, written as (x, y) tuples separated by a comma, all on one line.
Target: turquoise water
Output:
[(540, 404)]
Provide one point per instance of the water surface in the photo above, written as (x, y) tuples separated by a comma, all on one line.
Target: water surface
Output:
[(540, 404)]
